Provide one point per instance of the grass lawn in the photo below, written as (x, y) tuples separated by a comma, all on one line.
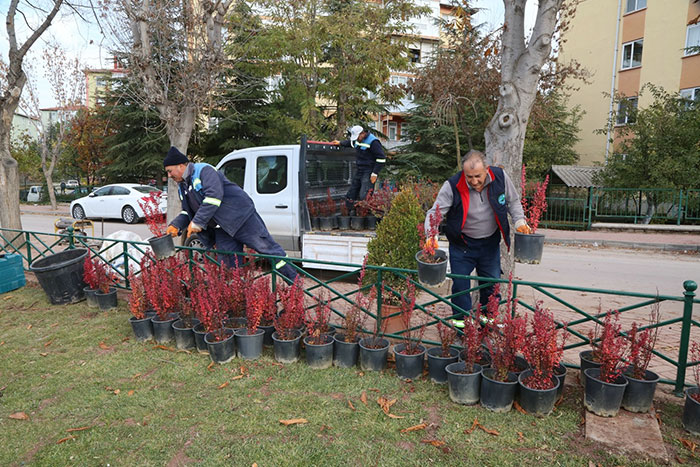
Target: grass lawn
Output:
[(92, 395)]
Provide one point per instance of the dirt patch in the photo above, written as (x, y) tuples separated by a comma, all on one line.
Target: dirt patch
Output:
[(180, 458), (46, 402), (408, 446), (434, 420)]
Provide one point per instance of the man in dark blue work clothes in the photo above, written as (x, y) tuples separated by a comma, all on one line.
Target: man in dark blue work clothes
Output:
[(370, 160), (219, 211)]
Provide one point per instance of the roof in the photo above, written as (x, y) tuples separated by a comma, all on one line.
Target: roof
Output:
[(576, 175)]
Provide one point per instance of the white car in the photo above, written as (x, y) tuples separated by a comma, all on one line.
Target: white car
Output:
[(118, 201), (72, 184)]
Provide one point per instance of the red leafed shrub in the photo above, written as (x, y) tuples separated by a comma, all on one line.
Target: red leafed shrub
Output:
[(328, 206), (447, 334), (611, 348), (427, 243), (378, 202), (471, 341), (695, 357), (238, 280), (89, 273), (413, 334), (164, 290), (534, 209), (101, 274), (344, 211), (155, 219), (313, 207), (642, 344), (506, 334), (292, 316), (318, 319), (260, 302), (543, 348), (209, 299), (138, 303), (354, 320)]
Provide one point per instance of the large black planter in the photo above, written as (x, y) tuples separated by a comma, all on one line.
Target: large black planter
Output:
[(286, 351), (691, 412), (106, 301), (409, 366), (319, 356), (90, 297), (343, 222), (560, 373), (163, 329), (432, 274), (371, 222), (61, 275), (464, 387), (357, 223), (528, 248), (221, 351), (586, 363), (143, 328), (250, 346), (373, 353), (162, 246), (437, 364), (267, 338), (537, 401), (345, 354), (601, 398), (199, 334), (184, 336), (497, 396), (325, 223), (639, 393)]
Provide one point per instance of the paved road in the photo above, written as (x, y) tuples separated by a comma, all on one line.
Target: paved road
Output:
[(45, 223)]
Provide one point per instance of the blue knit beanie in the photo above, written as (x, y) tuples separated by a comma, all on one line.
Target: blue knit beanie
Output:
[(174, 157)]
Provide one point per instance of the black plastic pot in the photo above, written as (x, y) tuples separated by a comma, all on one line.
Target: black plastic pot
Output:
[(325, 223), (520, 365), (286, 351), (586, 363), (373, 353), (199, 334), (537, 401), (184, 336), (528, 248), (371, 222), (267, 338), (319, 356), (432, 274), (163, 329), (691, 412), (162, 246), (106, 301), (314, 223), (143, 328), (343, 222), (90, 297), (250, 346), (236, 323), (221, 351), (437, 364), (357, 223), (61, 275), (484, 359), (497, 396), (464, 388), (639, 393), (409, 366), (560, 373), (601, 398), (345, 354)]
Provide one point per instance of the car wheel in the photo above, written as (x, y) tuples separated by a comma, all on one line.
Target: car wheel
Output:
[(78, 212), (129, 215), (193, 241)]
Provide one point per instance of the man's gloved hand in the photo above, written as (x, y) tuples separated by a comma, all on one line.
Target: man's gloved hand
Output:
[(373, 178), (524, 228), (193, 228), (172, 231)]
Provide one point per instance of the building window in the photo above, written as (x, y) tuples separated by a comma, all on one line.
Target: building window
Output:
[(627, 111), (692, 40), (632, 54), (634, 5), (414, 55), (691, 94), (393, 131)]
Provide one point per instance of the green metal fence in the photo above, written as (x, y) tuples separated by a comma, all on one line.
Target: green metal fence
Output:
[(436, 307)]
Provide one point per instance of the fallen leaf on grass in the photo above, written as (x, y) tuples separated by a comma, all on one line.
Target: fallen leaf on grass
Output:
[(43, 354), (385, 403), (82, 428), (48, 343), (519, 408), (679, 460), (210, 366), (136, 376), (223, 385), (351, 406), (688, 444), (244, 370), (414, 428), (473, 427), (54, 325), (29, 327), (486, 430), (374, 389), (363, 397), (19, 416), (117, 391), (391, 415), (130, 393), (104, 346), (293, 421), (658, 418), (162, 347), (476, 424), (521, 438), (237, 377), (433, 442), (2, 343), (63, 440)]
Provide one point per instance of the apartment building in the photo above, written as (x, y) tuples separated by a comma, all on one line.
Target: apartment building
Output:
[(97, 80), (626, 44)]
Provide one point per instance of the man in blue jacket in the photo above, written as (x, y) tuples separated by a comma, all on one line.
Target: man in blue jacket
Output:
[(370, 160), (219, 211)]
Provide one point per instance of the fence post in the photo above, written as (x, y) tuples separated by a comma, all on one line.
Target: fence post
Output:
[(71, 240), (126, 265), (379, 299), (588, 218), (680, 207), (27, 237), (688, 295)]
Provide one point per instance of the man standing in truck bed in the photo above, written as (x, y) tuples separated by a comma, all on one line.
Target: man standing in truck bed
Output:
[(370, 160)]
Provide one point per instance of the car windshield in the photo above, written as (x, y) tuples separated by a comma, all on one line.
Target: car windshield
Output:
[(145, 188)]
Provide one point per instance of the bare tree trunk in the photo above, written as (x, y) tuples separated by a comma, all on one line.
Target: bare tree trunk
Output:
[(49, 154), (179, 133)]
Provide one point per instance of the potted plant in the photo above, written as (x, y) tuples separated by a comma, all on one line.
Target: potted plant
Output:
[(106, 295), (432, 262), (464, 376), (161, 243), (90, 278), (259, 301), (528, 247), (183, 327), (641, 382), (379, 201), (605, 386), (319, 344), (138, 306), (208, 301), (410, 354), (591, 358), (346, 343), (691, 409), (344, 218), (395, 245), (543, 349), (357, 222), (374, 350), (313, 213), (288, 323), (440, 357), (165, 294), (327, 216)]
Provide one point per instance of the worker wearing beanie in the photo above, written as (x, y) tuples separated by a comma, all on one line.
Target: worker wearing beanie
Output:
[(219, 211)]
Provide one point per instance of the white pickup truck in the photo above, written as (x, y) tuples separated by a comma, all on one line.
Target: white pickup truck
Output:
[(280, 179)]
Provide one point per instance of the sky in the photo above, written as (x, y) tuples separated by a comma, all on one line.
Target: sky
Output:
[(86, 41)]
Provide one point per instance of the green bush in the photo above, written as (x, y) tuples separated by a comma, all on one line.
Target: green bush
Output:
[(397, 240)]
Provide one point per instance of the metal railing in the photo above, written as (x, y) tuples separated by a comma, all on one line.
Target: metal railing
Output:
[(436, 307)]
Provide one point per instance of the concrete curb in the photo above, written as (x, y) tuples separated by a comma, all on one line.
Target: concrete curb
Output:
[(628, 245)]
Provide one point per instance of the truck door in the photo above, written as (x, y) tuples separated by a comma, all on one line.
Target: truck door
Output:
[(275, 194)]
